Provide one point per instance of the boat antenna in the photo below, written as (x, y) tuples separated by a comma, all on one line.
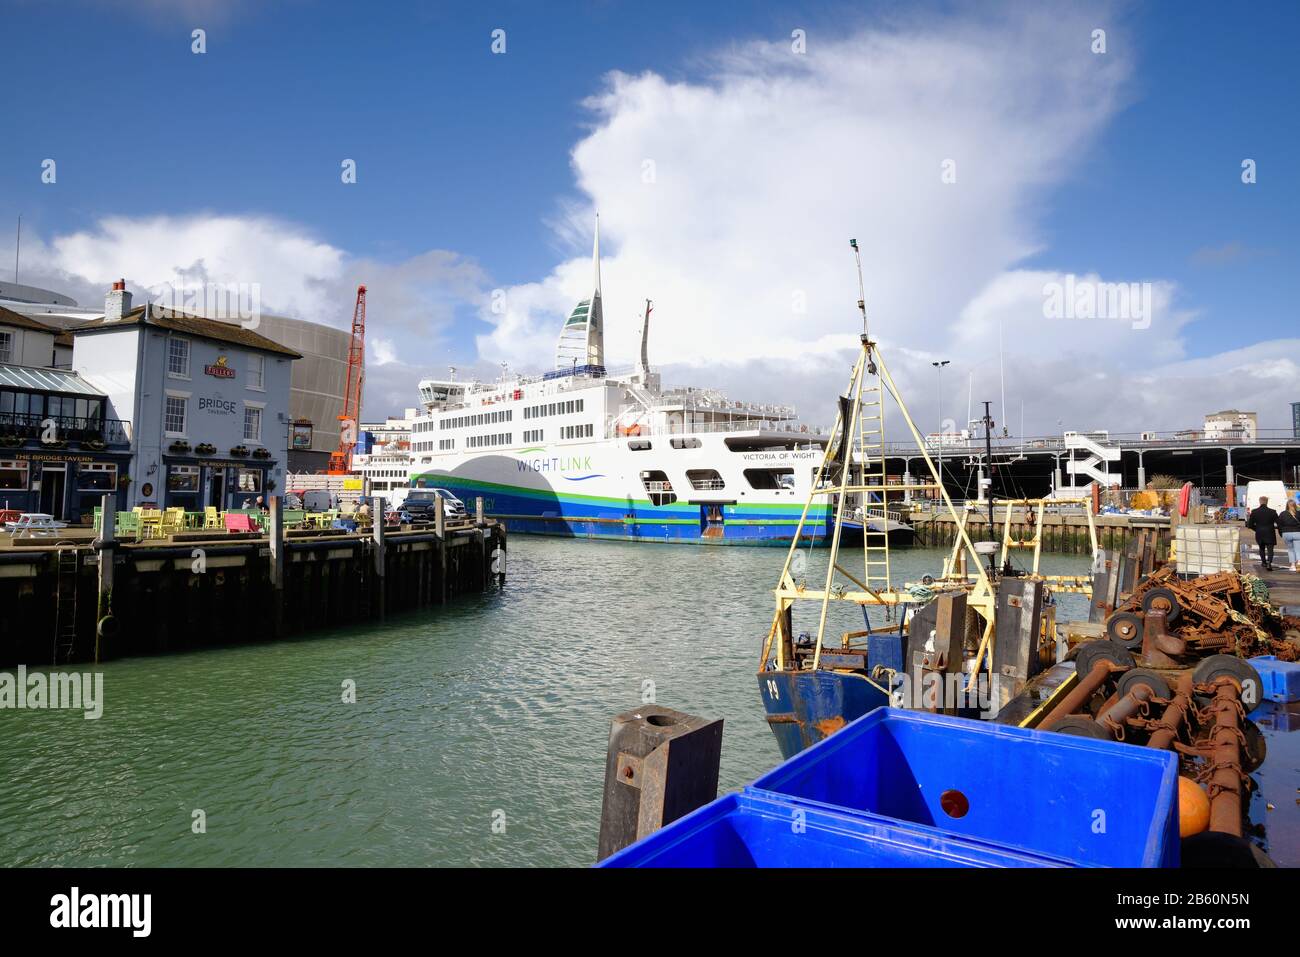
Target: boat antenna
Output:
[(1002, 369), (988, 476), (862, 292)]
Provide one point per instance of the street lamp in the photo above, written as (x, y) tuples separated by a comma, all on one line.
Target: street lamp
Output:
[(939, 366)]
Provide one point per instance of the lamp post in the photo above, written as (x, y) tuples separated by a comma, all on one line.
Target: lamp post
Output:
[(939, 366)]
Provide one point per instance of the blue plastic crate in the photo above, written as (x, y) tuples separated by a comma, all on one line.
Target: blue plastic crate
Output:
[(1094, 803), (748, 830), (1281, 678)]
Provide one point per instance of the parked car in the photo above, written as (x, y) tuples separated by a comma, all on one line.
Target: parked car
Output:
[(312, 500), (421, 502)]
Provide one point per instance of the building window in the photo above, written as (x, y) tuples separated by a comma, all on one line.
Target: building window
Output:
[(183, 478), (252, 424), (6, 347), (249, 480), (13, 475), (178, 358), (97, 477), (174, 415), (257, 372)]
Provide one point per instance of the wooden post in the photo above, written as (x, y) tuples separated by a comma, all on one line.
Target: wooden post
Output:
[(661, 765), (275, 533), (380, 550), (107, 549), (440, 529)]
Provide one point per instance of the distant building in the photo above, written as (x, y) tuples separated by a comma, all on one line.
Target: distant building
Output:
[(1232, 425), (26, 342)]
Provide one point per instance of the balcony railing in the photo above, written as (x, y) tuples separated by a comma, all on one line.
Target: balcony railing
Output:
[(26, 426)]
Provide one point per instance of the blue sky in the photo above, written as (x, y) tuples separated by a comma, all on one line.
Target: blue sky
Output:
[(464, 151)]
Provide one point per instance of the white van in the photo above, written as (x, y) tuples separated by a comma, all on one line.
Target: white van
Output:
[(1275, 492)]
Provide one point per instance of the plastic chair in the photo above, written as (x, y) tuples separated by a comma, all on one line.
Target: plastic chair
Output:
[(212, 518), (151, 525)]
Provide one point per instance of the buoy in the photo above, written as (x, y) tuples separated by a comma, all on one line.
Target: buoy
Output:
[(1193, 808)]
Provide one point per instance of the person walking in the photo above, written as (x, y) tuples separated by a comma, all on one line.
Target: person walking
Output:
[(1263, 521), (1288, 523)]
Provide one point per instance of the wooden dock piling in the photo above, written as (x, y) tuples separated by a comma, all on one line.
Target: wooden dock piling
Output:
[(207, 587)]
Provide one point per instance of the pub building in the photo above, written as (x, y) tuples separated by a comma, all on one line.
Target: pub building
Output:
[(209, 401), (60, 447)]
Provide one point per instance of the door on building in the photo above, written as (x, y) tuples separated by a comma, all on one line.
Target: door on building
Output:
[(54, 479), (217, 488)]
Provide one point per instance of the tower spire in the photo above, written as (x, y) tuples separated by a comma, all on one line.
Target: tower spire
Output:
[(595, 256)]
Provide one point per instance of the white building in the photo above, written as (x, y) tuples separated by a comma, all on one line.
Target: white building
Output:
[(1232, 425)]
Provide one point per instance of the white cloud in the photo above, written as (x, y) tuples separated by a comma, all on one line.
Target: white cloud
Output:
[(763, 171)]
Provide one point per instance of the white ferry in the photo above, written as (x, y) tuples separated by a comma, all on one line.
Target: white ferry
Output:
[(580, 452)]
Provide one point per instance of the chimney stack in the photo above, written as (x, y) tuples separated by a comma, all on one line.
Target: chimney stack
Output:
[(118, 301)]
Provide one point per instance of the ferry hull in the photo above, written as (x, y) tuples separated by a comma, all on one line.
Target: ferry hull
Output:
[(552, 512), (803, 707)]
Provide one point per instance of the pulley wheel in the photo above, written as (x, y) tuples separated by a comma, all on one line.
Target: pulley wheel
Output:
[(1144, 676), (1162, 599), (1091, 652), (1081, 726), (1218, 666), (1125, 627)]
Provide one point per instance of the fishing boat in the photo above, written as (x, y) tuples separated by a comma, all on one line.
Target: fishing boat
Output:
[(812, 686), (582, 452)]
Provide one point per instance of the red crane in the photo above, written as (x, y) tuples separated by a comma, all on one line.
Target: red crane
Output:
[(341, 459)]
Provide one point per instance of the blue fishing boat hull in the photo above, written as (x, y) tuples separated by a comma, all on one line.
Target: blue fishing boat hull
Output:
[(803, 707)]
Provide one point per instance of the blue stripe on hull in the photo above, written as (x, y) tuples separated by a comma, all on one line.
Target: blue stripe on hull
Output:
[(636, 521)]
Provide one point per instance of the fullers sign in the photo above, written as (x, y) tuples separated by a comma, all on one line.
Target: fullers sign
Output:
[(220, 369)]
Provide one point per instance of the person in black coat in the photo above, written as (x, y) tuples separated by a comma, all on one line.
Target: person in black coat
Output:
[(1264, 521)]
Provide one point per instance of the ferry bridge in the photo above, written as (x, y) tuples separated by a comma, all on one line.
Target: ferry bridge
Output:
[(1033, 467)]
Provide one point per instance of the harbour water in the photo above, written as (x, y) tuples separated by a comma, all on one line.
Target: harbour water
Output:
[(478, 734)]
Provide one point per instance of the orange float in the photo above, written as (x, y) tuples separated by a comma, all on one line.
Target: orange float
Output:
[(1193, 808)]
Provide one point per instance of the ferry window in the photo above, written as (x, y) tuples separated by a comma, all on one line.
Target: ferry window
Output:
[(97, 477), (770, 478), (658, 487), (532, 435), (638, 446), (13, 475), (691, 443), (580, 405), (703, 480)]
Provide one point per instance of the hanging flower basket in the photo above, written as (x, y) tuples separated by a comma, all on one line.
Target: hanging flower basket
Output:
[(179, 447), (261, 453), (205, 448), (239, 451)]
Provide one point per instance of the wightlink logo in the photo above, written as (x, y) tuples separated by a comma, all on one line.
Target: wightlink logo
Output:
[(64, 691), (575, 463)]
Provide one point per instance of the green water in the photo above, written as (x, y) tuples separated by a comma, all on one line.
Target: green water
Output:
[(492, 711)]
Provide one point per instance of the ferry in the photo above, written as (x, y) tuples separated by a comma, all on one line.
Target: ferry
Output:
[(581, 452)]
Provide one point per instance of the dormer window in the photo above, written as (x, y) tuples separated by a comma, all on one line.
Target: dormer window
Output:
[(178, 358)]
